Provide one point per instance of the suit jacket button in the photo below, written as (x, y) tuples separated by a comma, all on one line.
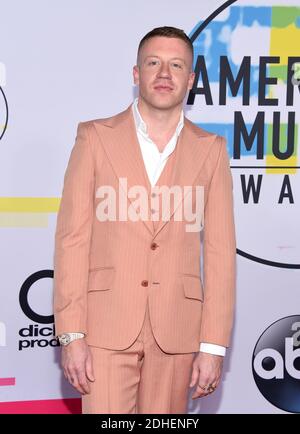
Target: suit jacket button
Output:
[(154, 246), (144, 282)]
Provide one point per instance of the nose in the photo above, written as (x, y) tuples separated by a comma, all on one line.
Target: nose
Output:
[(164, 70)]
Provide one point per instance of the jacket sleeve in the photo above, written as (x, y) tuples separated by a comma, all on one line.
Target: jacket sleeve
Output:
[(72, 237), (219, 253)]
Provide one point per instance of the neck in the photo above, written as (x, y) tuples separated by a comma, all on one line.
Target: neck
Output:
[(159, 121)]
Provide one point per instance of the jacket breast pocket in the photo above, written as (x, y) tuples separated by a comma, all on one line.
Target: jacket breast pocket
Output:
[(101, 279), (192, 286)]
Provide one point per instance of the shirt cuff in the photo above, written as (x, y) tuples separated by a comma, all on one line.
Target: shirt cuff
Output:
[(218, 350)]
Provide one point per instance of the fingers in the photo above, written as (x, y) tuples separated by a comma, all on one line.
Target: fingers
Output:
[(205, 388), (207, 369), (200, 380), (195, 376), (83, 382), (199, 392), (89, 368), (206, 384), (77, 379), (77, 366), (80, 376)]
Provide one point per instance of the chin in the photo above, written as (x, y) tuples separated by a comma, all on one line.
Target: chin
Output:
[(163, 104)]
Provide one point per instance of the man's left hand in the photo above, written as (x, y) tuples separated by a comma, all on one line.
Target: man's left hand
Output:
[(207, 369)]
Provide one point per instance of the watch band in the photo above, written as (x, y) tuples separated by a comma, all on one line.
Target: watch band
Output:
[(67, 338)]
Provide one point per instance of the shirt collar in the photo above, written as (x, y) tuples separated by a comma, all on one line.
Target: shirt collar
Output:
[(141, 125)]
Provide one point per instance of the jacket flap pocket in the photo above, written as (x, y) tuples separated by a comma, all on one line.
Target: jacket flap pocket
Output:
[(192, 286), (101, 279)]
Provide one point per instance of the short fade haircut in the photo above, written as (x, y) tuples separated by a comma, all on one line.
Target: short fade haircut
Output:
[(167, 32)]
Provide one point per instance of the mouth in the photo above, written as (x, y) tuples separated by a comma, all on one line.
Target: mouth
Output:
[(163, 88)]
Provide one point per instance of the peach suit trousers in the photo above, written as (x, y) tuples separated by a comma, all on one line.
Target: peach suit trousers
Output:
[(140, 379)]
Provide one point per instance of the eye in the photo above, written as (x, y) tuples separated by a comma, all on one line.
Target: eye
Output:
[(177, 65), (153, 62)]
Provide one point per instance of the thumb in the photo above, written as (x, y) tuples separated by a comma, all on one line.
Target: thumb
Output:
[(194, 378), (89, 369)]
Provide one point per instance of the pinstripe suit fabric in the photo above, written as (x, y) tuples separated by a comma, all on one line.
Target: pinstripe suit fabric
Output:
[(99, 267)]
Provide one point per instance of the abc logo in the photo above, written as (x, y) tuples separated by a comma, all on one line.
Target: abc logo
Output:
[(276, 363)]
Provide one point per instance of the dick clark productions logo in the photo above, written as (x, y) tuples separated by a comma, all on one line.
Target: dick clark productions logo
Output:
[(276, 364), (41, 332)]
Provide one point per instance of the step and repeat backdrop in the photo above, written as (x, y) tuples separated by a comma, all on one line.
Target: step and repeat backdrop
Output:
[(66, 62)]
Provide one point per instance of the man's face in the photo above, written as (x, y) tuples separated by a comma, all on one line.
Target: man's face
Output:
[(163, 73)]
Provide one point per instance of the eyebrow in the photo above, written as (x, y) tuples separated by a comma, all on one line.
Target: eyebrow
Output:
[(173, 58)]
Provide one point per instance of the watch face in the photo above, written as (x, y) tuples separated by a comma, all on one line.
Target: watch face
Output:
[(65, 339)]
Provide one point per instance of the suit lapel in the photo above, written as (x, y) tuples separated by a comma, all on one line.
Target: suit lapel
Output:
[(119, 140), (193, 146)]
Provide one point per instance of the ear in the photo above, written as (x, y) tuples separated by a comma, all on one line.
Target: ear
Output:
[(191, 80), (136, 74)]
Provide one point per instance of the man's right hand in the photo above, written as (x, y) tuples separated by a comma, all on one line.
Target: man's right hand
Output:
[(77, 365)]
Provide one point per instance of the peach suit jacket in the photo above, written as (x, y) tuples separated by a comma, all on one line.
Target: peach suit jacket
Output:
[(104, 271)]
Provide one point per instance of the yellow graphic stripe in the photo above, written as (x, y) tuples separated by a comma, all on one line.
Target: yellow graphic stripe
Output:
[(30, 212), (29, 204), (284, 42)]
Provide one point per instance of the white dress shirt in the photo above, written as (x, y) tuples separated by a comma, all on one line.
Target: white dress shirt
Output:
[(154, 163)]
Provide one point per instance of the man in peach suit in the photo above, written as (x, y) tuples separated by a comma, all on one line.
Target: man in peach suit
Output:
[(137, 325)]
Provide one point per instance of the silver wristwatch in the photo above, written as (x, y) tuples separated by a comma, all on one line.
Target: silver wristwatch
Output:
[(66, 338)]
